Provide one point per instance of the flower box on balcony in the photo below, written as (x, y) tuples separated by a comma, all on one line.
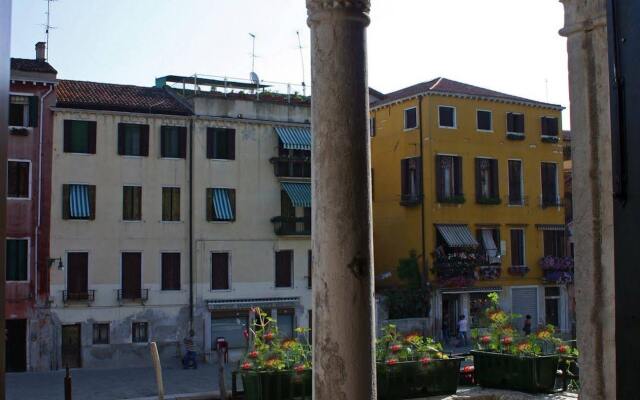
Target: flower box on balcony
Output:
[(515, 372), (515, 136), (277, 385), (557, 269), (415, 379), (459, 199), (549, 139), (489, 272), (488, 200)]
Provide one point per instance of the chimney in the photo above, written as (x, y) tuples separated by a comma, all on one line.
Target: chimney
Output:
[(40, 51)]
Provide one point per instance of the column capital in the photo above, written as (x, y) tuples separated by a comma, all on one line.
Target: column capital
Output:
[(583, 15), (351, 9)]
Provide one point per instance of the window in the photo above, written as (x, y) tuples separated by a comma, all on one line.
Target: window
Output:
[(171, 204), (18, 179), (219, 271), (78, 276), (231, 326), (549, 126), (517, 247), (170, 271), (515, 123), (410, 118), (78, 201), (309, 269), (284, 268), (221, 143), (489, 239), (23, 111), (552, 305), (140, 332), (17, 259), (101, 333), (173, 142), (410, 180), (131, 203), (449, 179), (487, 186), (133, 139), (446, 117), (285, 320), (221, 204), (549, 184), (484, 120), (131, 275), (554, 243), (515, 183), (79, 137), (372, 126)]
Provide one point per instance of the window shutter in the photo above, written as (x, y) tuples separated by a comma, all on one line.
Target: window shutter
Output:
[(166, 204), (478, 180), (211, 134), (92, 201), (220, 271), (457, 168), (232, 199), (231, 143), (209, 204), (544, 126), (144, 140), (164, 140), (92, 136), (439, 179), (66, 147), (404, 177), (510, 124), (182, 142), (12, 178), (121, 138), (33, 111), (170, 271), (520, 123), (283, 268), (175, 204), (553, 126), (77, 274), (66, 211), (419, 176), (309, 269), (137, 203), (495, 179), (131, 279)]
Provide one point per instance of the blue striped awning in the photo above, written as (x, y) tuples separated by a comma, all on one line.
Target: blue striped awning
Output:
[(79, 201), (299, 193), (457, 235), (222, 205), (294, 138)]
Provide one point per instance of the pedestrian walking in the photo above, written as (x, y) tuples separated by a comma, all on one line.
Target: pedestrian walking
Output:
[(527, 325), (189, 359), (463, 328)]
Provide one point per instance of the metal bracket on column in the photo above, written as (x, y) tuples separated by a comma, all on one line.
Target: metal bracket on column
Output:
[(358, 266)]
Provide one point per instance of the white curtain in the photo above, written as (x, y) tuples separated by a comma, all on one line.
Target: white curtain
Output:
[(490, 246)]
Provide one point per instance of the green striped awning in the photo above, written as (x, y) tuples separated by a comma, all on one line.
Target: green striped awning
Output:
[(457, 235), (294, 138), (299, 193)]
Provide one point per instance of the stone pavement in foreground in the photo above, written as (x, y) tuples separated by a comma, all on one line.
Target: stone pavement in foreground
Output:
[(111, 384)]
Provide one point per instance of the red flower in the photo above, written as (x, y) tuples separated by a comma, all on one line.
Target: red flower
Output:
[(425, 360), (468, 369), (507, 340), (268, 336), (485, 339), (299, 368), (246, 366), (396, 348), (563, 349), (253, 354), (392, 361), (245, 333)]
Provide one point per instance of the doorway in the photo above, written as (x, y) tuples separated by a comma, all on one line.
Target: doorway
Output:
[(71, 346), (16, 356), (451, 310)]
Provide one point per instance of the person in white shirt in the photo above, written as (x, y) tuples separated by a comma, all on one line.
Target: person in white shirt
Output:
[(463, 328)]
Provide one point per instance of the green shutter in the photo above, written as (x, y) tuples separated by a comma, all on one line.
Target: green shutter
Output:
[(17, 260), (209, 204), (175, 204), (33, 111)]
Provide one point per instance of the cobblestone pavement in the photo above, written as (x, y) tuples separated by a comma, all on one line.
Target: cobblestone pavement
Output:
[(111, 384)]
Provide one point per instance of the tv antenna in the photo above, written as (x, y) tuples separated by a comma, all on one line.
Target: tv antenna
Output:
[(253, 75), (48, 27), (304, 85)]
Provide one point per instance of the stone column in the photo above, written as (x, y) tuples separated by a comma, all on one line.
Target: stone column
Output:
[(586, 31), (343, 313)]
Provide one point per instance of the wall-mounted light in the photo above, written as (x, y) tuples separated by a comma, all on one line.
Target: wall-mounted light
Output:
[(51, 261)]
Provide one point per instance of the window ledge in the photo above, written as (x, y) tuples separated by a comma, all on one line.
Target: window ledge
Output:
[(19, 198), (447, 127), (515, 136), (452, 200), (410, 129), (484, 130), (171, 222), (549, 139), (75, 153), (488, 201)]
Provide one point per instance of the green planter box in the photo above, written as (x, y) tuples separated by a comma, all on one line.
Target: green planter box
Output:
[(506, 371), (281, 385), (411, 379)]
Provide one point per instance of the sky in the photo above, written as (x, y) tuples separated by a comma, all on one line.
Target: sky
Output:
[(512, 46)]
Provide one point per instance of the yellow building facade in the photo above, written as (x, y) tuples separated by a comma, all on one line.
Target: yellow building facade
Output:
[(471, 181)]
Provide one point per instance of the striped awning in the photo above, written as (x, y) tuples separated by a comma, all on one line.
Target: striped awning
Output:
[(294, 138), (222, 205), (299, 193), (457, 235), (550, 227), (79, 201)]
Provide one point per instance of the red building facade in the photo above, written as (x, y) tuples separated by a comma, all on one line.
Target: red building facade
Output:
[(32, 94)]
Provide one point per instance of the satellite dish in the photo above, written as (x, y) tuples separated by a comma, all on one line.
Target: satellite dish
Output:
[(254, 78)]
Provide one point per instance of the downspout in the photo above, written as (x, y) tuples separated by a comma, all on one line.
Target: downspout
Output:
[(40, 187), (191, 223), (425, 270)]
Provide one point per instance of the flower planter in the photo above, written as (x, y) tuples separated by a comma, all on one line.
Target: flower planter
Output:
[(412, 379), (523, 373), (277, 385)]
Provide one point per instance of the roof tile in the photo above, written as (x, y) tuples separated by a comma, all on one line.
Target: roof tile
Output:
[(30, 65)]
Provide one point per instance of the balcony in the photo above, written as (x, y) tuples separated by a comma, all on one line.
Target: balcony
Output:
[(292, 226), (78, 297), (456, 269), (291, 167), (133, 296), (547, 201)]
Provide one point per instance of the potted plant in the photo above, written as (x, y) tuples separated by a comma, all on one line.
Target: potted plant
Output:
[(413, 366), (274, 368), (505, 358)]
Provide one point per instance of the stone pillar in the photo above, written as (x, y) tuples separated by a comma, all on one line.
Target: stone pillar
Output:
[(586, 31), (343, 313)]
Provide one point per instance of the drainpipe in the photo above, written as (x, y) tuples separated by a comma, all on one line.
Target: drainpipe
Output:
[(425, 270), (191, 223), (41, 129)]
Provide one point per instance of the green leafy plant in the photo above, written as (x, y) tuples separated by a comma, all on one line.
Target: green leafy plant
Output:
[(412, 299)]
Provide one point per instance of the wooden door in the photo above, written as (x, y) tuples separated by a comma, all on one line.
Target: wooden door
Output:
[(16, 356), (71, 346), (131, 275), (77, 276)]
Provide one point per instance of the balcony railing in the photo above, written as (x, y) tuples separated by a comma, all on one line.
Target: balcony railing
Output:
[(289, 167), (551, 201), (291, 226), (139, 295), (455, 270), (69, 296)]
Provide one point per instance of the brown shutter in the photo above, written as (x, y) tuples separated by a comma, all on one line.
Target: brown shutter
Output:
[(66, 211), (457, 168), (209, 205), (182, 142), (232, 200), (163, 141), (92, 201), (439, 179), (478, 179), (131, 275), (66, 147), (515, 191), (77, 273), (220, 271), (126, 203), (515, 247), (520, 123), (404, 177), (544, 126), (166, 204), (309, 269), (144, 140), (175, 204), (170, 271), (137, 203), (211, 134), (23, 179), (12, 178), (92, 136), (548, 242), (510, 124), (231, 144), (283, 268), (419, 177), (121, 135), (495, 179)]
